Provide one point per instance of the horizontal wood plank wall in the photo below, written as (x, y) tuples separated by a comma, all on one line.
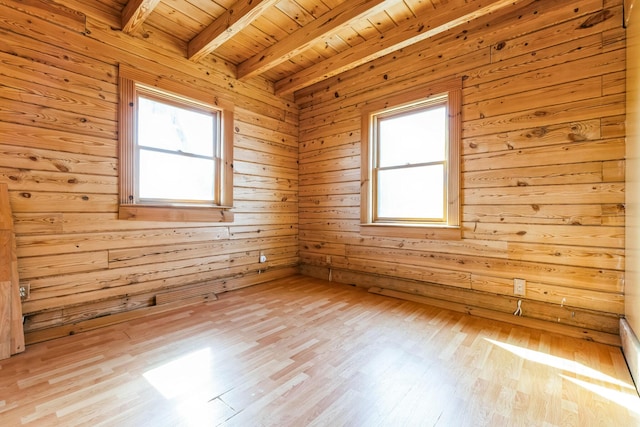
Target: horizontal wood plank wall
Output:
[(58, 139), (542, 169)]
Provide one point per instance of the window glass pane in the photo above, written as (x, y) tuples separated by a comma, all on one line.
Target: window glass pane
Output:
[(168, 127), (411, 193), (175, 177), (415, 137)]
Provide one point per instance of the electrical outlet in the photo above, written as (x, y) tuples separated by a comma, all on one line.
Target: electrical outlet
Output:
[(25, 291), (328, 259), (519, 287), (263, 258)]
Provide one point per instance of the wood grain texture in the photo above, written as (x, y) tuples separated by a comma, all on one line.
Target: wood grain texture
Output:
[(11, 329), (335, 19), (542, 160), (135, 12), (406, 34), (543, 155), (306, 352), (239, 15), (59, 159)]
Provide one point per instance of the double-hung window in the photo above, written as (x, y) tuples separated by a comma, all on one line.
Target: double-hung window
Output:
[(411, 162), (175, 154)]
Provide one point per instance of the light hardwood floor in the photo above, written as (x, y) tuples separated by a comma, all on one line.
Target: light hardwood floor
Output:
[(302, 351)]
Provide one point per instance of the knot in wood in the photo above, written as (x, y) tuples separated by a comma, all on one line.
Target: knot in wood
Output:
[(596, 19)]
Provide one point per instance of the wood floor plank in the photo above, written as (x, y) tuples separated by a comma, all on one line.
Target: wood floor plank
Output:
[(301, 351)]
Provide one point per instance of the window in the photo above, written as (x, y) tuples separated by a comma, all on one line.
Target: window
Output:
[(175, 153), (411, 163)]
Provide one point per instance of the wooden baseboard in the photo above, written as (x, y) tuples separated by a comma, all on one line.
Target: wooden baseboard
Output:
[(503, 317), (584, 324), (185, 296), (112, 319), (631, 350)]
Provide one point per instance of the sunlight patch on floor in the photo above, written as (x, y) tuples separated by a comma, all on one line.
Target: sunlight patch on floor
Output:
[(560, 363), (628, 400), (183, 375)]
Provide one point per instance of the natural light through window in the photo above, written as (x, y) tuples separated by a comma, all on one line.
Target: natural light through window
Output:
[(631, 401), (628, 398), (410, 169), (186, 375), (176, 152), (411, 162)]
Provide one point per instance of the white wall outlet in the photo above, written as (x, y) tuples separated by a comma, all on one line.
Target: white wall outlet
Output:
[(25, 291), (263, 258), (519, 287), (328, 259)]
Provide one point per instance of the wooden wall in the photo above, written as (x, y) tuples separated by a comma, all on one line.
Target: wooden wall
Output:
[(58, 144), (542, 170)]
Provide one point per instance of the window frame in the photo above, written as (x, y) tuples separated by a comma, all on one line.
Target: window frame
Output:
[(133, 82), (405, 102)]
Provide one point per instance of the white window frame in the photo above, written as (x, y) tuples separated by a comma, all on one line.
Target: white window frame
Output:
[(449, 93), (135, 83)]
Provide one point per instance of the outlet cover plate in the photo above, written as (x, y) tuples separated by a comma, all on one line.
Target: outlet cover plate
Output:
[(519, 287)]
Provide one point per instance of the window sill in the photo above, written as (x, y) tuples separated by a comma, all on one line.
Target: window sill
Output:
[(175, 213), (425, 232)]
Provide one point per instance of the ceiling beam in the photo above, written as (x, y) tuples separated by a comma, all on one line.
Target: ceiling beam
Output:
[(408, 33), (135, 13), (240, 15), (300, 40)]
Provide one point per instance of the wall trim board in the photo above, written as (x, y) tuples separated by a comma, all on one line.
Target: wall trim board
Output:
[(205, 294), (631, 351), (630, 325), (470, 302), (11, 327)]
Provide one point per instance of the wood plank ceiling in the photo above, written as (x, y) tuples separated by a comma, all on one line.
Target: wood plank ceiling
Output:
[(296, 43)]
